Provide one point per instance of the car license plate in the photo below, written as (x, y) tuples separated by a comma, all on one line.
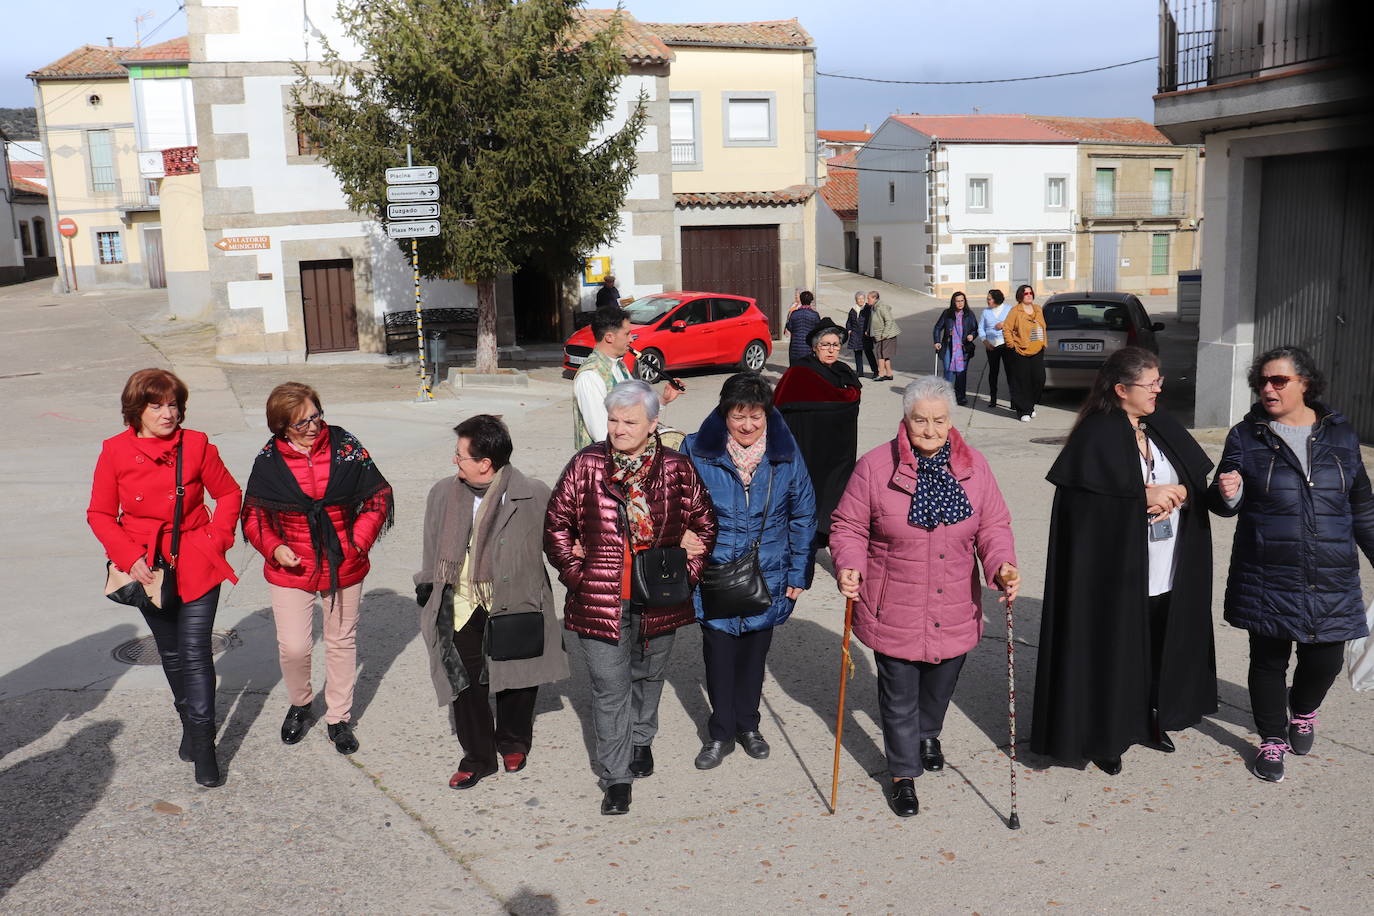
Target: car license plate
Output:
[(1080, 346), (576, 360)]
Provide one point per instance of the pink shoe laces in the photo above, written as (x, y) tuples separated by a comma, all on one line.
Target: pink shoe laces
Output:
[(1273, 750), (1305, 724)]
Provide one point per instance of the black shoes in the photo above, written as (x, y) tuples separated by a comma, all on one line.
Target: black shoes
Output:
[(1268, 762), (641, 765), (712, 753), (184, 751), (1302, 731), (617, 799), (203, 755), (903, 800), (753, 745), (341, 734), (932, 758), (1109, 765), (294, 725), (1159, 738)]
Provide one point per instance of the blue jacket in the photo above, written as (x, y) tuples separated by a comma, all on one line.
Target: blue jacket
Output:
[(1295, 573), (786, 553), (800, 323)]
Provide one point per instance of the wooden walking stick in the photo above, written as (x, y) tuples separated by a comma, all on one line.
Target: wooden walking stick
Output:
[(1014, 820), (846, 672)]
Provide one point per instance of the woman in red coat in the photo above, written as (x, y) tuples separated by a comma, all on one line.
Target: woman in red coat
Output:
[(315, 505), (133, 501)]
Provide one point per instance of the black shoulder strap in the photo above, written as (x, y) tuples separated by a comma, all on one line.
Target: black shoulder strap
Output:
[(767, 502), (176, 510)]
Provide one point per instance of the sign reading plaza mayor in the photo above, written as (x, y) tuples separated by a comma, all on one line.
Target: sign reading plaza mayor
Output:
[(410, 215), (412, 228)]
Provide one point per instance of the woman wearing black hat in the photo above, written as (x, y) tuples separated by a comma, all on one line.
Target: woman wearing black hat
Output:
[(819, 399)]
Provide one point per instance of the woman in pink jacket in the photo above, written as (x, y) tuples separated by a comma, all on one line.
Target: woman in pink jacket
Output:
[(915, 515)]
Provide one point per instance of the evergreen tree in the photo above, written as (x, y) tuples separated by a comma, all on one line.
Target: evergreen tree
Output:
[(508, 98)]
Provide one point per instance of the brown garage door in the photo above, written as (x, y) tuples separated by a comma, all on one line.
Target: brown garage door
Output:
[(741, 260), (331, 319)]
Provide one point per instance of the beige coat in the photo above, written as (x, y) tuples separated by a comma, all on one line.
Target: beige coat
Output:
[(522, 584)]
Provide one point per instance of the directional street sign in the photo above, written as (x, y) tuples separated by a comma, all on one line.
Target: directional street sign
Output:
[(412, 211), (416, 175), (408, 192), (244, 243), (412, 229)]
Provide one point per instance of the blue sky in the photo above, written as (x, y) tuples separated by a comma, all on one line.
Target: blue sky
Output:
[(916, 39)]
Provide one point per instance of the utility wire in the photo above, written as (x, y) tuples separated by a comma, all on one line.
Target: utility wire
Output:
[(1011, 79)]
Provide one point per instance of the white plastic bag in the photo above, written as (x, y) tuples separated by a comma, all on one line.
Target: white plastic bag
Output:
[(1359, 657)]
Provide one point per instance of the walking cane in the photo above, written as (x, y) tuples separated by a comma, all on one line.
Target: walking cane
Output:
[(846, 672), (1014, 821)]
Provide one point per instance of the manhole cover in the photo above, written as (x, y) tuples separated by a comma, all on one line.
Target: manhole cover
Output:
[(1050, 440), (144, 651)]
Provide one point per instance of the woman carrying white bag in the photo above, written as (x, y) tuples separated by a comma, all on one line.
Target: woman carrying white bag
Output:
[(1359, 656)]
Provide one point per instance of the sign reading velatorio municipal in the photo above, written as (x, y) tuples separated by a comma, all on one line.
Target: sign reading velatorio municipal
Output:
[(412, 211)]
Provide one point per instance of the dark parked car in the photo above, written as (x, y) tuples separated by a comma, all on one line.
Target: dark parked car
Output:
[(1086, 328)]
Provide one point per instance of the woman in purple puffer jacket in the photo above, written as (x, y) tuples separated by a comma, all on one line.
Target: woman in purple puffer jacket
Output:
[(916, 515)]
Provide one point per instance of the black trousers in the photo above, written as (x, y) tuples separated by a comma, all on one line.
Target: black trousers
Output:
[(1027, 377), (1157, 606), (872, 354), (997, 357), (859, 363), (1318, 665), (913, 698), (734, 679), (182, 635), (482, 739)]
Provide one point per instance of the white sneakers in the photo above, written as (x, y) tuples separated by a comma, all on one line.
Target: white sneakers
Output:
[(1025, 418)]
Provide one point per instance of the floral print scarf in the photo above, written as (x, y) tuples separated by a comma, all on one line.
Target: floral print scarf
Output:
[(746, 458), (630, 473)]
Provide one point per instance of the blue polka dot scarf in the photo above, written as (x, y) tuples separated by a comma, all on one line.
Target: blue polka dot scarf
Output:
[(939, 499)]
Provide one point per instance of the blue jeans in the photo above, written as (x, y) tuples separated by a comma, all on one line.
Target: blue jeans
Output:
[(182, 635)]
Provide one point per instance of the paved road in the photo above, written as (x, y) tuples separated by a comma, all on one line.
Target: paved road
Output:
[(100, 817)]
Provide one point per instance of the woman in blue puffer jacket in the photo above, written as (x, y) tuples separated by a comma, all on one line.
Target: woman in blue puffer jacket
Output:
[(750, 464), (1293, 472)]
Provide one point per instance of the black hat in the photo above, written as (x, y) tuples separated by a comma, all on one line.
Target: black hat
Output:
[(823, 326)]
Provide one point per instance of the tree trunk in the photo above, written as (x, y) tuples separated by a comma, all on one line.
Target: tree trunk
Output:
[(486, 324)]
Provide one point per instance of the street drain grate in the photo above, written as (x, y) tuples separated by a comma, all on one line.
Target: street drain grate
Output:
[(144, 651), (1050, 440)]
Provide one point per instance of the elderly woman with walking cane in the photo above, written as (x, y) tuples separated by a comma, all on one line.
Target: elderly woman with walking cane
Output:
[(918, 514)]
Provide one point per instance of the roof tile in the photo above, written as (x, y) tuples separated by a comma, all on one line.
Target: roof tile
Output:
[(1105, 130), (794, 194), (841, 193), (86, 62), (637, 42), (1024, 128), (773, 33), (178, 50), (845, 136)]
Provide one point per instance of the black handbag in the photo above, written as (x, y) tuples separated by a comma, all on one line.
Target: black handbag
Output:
[(514, 637), (658, 577), (737, 588)]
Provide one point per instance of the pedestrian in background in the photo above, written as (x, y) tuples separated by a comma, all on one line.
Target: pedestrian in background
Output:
[(866, 321), (919, 513), (763, 501), (800, 324), (490, 626), (602, 370), (994, 342), (134, 497), (955, 332), (1126, 630), (314, 506), (1293, 472), (608, 294), (884, 331), (615, 499), (1026, 335), (855, 324)]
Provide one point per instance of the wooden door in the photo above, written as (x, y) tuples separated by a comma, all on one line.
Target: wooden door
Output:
[(328, 304), (739, 260), (153, 260)]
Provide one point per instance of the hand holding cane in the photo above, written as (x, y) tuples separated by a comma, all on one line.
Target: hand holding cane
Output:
[(846, 672)]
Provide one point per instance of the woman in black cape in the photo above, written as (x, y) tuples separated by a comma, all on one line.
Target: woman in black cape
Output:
[(818, 398), (1126, 649)]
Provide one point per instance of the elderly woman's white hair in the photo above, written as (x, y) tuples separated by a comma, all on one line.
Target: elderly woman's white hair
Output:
[(926, 388), (631, 393)]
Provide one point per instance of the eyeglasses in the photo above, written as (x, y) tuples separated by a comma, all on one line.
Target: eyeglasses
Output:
[(1279, 382), (302, 425), (828, 346), (461, 458), (1156, 385)]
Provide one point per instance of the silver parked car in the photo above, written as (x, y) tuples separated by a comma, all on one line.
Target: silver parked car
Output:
[(1086, 328)]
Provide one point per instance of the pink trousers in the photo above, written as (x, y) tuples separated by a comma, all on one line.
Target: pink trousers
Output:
[(293, 610)]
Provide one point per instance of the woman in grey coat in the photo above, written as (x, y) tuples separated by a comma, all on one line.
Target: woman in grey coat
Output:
[(491, 628)]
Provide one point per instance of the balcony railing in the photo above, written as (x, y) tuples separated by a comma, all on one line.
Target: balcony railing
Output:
[(1133, 206), (1207, 42), (684, 152), (138, 200)]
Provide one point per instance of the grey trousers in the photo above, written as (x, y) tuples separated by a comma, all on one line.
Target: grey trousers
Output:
[(912, 700), (627, 681)]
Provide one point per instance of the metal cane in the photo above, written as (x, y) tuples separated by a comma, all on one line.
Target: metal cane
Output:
[(1014, 821), (846, 672)]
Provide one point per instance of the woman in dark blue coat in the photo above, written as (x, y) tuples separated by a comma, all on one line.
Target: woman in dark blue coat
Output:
[(1292, 471), (750, 464), (954, 335)]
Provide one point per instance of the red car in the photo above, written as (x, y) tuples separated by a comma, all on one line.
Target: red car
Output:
[(685, 330)]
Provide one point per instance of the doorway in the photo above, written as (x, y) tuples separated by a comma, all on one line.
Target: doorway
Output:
[(535, 298), (328, 306), (153, 259), (1105, 248), (738, 260), (1021, 264)]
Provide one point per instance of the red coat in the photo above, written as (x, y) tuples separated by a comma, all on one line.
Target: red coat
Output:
[(582, 509), (132, 503), (312, 473)]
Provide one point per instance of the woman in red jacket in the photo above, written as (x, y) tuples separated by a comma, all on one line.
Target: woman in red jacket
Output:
[(315, 505), (133, 503)]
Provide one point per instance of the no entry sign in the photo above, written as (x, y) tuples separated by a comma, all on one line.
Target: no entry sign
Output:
[(67, 227)]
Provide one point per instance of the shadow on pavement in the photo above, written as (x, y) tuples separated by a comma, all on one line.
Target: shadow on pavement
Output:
[(19, 732), (526, 902), (46, 796), (238, 708)]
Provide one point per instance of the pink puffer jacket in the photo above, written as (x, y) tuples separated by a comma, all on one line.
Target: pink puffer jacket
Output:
[(919, 596), (583, 509)]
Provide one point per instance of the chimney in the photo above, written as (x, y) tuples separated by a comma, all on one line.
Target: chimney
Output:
[(109, 40)]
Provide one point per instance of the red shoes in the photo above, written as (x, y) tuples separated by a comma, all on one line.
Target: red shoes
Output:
[(514, 762)]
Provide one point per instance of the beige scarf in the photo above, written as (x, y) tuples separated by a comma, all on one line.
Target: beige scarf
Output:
[(474, 557)]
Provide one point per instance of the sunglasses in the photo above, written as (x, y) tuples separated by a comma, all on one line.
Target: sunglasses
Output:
[(1279, 382)]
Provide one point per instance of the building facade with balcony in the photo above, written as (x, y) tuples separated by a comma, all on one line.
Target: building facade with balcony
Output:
[(1276, 92)]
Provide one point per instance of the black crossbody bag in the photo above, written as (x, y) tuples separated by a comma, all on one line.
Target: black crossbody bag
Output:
[(737, 588)]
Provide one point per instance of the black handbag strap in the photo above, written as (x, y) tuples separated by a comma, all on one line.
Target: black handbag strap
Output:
[(176, 513), (767, 504)]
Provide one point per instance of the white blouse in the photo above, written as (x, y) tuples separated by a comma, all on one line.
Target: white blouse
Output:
[(1162, 554)]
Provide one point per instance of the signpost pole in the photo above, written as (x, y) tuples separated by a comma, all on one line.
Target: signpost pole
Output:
[(425, 393), (71, 259)]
